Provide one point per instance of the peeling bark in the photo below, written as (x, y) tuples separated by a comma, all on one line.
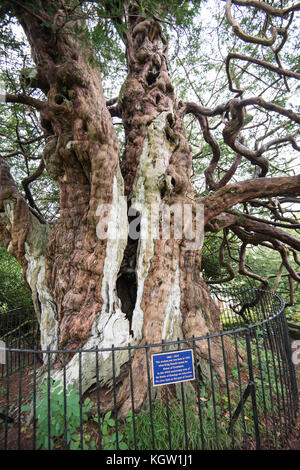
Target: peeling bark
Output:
[(82, 155), (73, 272), (25, 238), (173, 301)]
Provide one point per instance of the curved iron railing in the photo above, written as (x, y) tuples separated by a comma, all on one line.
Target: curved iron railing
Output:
[(240, 307), (251, 404)]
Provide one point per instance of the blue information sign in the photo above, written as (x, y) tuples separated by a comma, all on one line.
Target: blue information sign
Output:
[(172, 367)]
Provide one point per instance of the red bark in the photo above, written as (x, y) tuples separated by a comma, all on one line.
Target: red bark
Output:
[(81, 154)]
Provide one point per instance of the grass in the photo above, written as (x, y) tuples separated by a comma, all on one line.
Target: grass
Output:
[(181, 430)]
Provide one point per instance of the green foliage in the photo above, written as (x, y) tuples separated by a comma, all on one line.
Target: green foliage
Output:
[(13, 290), (293, 312), (110, 439), (260, 260), (236, 321), (55, 417), (210, 259), (75, 415)]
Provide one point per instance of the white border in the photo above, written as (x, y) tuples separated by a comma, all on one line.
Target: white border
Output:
[(172, 352)]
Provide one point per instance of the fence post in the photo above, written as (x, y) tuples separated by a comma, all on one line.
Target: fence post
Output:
[(291, 367), (252, 387)]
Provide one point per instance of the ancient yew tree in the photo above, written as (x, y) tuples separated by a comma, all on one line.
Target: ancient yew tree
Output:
[(90, 290)]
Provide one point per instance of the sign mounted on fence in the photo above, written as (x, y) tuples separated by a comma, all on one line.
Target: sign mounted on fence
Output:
[(2, 352), (172, 367)]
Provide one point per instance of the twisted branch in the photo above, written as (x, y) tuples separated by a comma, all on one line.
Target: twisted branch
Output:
[(244, 36)]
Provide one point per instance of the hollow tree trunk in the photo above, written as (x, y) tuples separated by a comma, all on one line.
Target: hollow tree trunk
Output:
[(95, 291), (172, 299)]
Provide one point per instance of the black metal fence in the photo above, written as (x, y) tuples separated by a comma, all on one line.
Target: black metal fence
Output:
[(18, 329), (243, 394)]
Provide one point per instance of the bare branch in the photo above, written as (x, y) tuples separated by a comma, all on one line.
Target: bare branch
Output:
[(293, 200), (270, 106), (270, 222), (224, 264), (234, 193), (284, 256), (262, 63), (245, 272), (112, 101), (26, 182), (213, 143), (230, 173), (24, 99), (244, 36), (196, 109), (231, 138), (280, 140), (278, 278), (276, 233), (292, 292), (273, 11), (272, 206)]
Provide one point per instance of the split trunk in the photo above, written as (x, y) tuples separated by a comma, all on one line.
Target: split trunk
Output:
[(93, 283)]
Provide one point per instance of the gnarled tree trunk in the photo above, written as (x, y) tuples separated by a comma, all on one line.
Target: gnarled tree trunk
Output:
[(94, 282), (90, 290), (172, 300)]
